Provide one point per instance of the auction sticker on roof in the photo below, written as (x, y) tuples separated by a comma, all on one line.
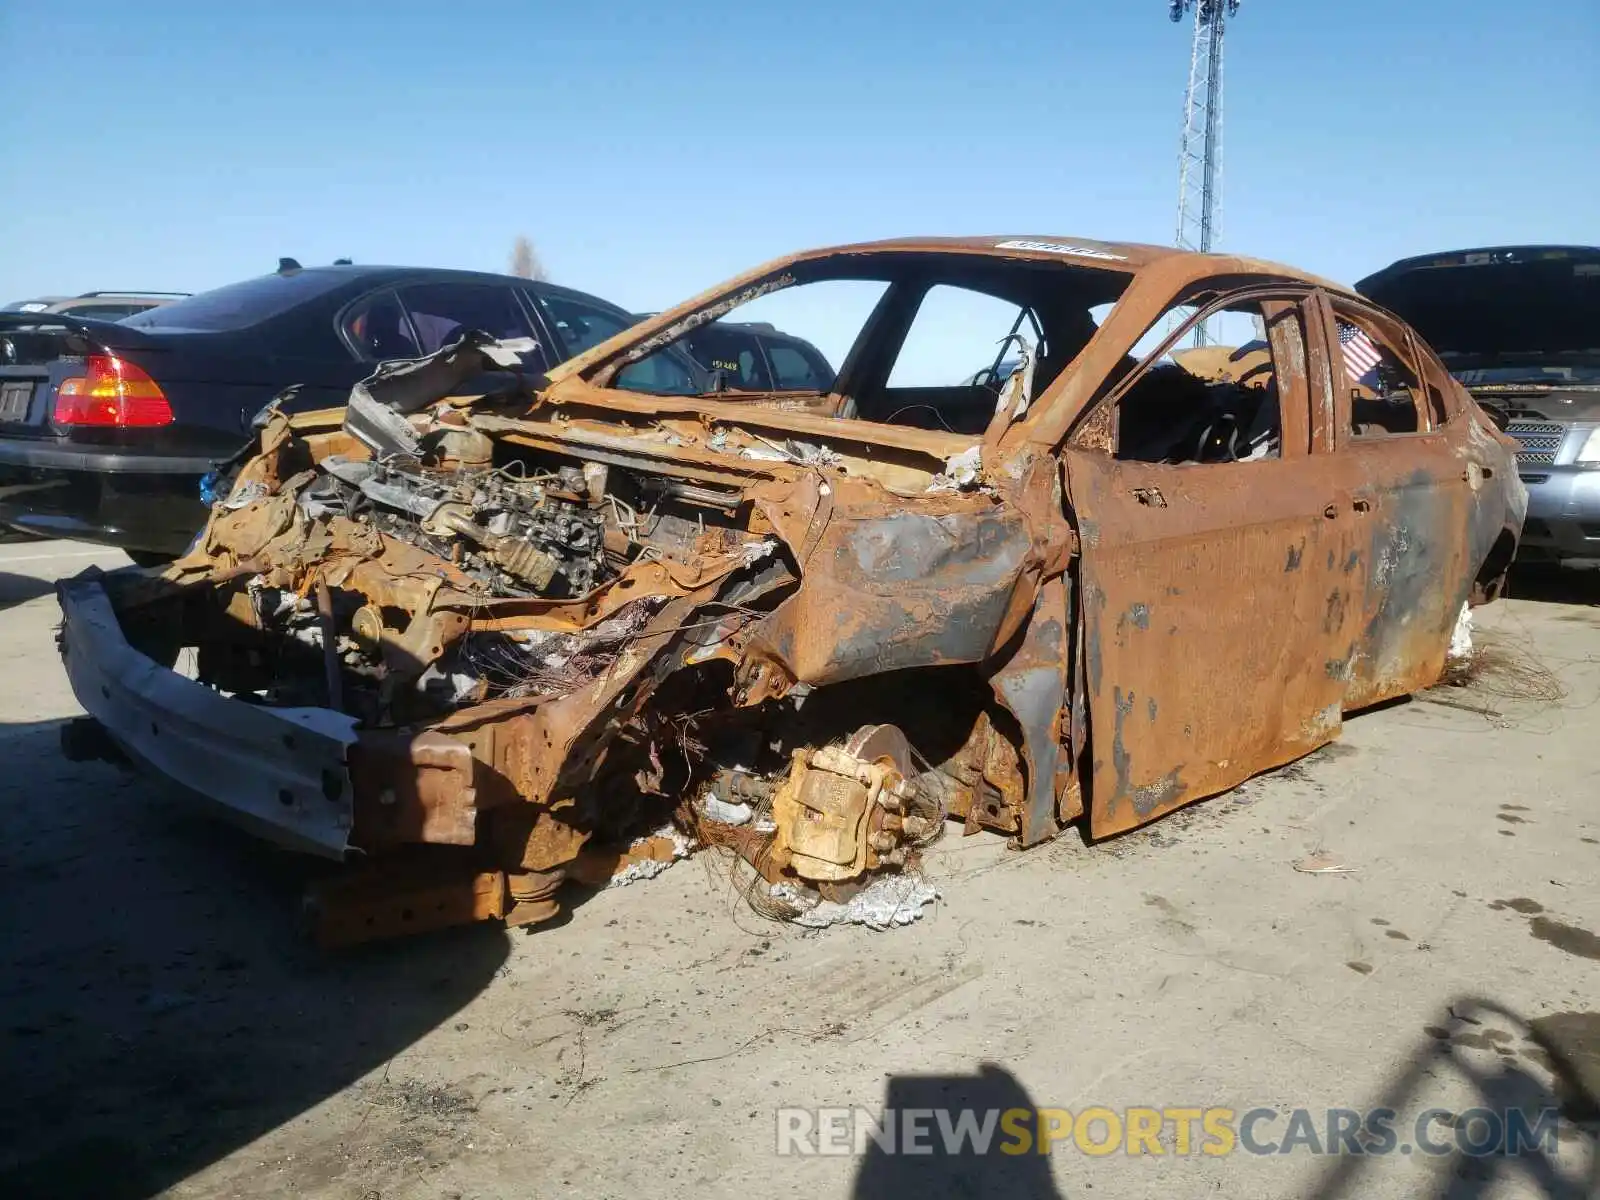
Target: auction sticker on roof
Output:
[(1060, 248)]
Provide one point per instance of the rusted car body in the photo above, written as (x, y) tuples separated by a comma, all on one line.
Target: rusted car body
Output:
[(485, 643)]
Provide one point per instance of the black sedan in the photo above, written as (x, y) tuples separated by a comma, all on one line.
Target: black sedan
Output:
[(107, 428)]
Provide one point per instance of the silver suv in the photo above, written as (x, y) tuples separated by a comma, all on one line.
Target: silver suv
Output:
[(1519, 326)]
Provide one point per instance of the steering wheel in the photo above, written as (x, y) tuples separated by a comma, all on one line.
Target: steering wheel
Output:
[(1219, 440), (988, 379)]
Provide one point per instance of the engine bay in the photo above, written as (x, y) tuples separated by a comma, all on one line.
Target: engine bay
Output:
[(517, 535)]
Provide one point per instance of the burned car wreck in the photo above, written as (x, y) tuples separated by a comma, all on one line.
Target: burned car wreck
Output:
[(489, 644)]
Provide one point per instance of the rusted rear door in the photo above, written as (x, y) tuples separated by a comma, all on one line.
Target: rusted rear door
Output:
[(1215, 638), (1407, 474)]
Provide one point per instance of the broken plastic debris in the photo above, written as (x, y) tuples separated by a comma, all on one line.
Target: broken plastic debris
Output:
[(754, 552), (804, 453), (1322, 863), (727, 814), (247, 493), (647, 866), (888, 901), (508, 352), (1018, 385), (963, 468), (815, 456), (961, 471)]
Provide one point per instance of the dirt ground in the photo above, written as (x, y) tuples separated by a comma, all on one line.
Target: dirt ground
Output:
[(166, 1031)]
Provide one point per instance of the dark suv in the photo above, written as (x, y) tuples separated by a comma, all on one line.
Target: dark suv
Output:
[(106, 428), (758, 358)]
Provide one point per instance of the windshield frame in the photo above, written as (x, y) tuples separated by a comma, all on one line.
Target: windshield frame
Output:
[(894, 264)]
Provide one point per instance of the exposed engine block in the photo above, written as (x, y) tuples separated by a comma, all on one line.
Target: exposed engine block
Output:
[(518, 536)]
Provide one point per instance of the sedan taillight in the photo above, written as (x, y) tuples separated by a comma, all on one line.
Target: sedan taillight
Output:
[(111, 393)]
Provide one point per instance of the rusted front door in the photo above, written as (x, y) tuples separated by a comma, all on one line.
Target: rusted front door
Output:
[(1213, 649)]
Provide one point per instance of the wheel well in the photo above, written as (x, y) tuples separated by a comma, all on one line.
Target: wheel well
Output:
[(1491, 578)]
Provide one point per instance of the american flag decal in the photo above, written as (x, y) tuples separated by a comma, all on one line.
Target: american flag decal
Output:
[(1361, 357)]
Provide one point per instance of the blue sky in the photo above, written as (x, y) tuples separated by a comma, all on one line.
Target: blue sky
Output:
[(651, 149)]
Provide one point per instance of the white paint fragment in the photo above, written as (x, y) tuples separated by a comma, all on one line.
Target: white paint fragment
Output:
[(1460, 649), (888, 901)]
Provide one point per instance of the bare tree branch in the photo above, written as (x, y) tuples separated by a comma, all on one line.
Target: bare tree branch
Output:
[(525, 262)]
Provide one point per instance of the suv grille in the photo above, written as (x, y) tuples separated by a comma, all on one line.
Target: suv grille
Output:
[(1540, 440)]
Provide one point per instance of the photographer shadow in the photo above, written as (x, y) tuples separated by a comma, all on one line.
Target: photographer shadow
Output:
[(943, 1173)]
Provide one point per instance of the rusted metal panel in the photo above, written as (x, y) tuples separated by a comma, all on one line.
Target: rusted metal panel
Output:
[(1284, 361), (1414, 504), (1320, 352), (1404, 501), (890, 588), (1034, 685), (413, 789), (1211, 636), (398, 899)]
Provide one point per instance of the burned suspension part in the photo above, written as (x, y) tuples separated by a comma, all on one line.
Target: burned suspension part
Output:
[(849, 809)]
